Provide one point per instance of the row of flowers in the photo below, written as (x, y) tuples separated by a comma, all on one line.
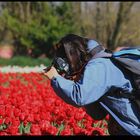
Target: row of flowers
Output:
[(29, 106), (26, 69)]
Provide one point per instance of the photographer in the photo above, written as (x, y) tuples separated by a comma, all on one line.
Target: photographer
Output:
[(89, 79)]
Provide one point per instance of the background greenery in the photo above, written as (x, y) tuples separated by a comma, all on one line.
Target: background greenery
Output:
[(25, 61), (34, 27)]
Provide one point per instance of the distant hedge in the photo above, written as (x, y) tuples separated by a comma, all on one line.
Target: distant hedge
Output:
[(25, 61)]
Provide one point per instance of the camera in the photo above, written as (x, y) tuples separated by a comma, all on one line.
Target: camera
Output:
[(61, 66)]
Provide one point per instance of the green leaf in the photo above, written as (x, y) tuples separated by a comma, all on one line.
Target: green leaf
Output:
[(1, 127), (80, 123), (4, 126), (62, 126), (21, 128), (27, 128), (96, 124)]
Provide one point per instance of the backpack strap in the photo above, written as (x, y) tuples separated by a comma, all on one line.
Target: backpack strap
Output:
[(96, 50), (127, 52)]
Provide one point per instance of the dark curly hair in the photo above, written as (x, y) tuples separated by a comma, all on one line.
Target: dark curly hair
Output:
[(74, 48)]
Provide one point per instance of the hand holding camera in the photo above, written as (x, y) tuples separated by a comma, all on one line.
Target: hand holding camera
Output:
[(52, 72), (59, 66)]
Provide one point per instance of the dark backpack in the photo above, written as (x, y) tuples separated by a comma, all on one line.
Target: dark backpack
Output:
[(128, 60)]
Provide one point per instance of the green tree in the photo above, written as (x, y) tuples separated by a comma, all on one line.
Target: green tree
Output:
[(37, 25)]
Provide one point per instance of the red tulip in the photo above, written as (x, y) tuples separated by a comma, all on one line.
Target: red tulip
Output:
[(29, 99)]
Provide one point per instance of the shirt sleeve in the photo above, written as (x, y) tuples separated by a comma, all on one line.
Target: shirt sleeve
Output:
[(92, 85)]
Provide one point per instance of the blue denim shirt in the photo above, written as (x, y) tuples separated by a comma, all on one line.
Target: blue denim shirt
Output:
[(99, 77)]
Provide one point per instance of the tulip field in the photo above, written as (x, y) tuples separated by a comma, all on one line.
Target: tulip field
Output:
[(29, 106)]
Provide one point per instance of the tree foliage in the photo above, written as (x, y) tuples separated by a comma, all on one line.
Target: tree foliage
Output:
[(33, 27), (36, 26)]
